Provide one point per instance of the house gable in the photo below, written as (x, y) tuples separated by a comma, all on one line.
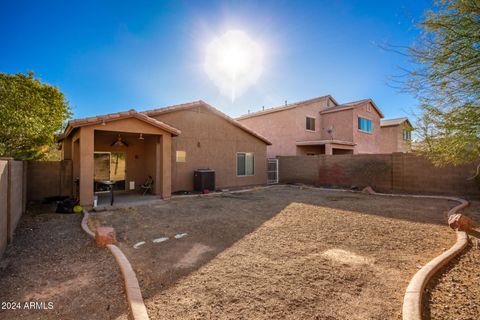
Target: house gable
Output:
[(354, 105), (201, 105), (209, 140)]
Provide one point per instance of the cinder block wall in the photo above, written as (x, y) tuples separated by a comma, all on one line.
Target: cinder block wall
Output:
[(49, 178), (3, 205), (16, 195), (397, 172), (356, 170), (418, 175), (13, 198), (298, 169)]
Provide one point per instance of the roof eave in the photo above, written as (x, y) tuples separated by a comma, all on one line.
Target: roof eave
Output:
[(158, 124)]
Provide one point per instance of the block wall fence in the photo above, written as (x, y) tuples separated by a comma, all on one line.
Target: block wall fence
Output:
[(13, 197), (391, 173), (22, 181), (49, 178)]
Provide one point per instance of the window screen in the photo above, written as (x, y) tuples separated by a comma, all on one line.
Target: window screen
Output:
[(245, 164), (310, 124), (365, 124), (407, 135), (181, 156), (240, 164)]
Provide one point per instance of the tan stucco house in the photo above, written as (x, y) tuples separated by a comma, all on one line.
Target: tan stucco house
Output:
[(167, 144), (320, 126), (396, 135)]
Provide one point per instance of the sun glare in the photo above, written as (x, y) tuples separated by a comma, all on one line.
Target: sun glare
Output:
[(233, 62)]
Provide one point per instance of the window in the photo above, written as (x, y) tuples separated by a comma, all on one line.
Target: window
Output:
[(245, 164), (407, 135), (310, 123), (181, 156), (365, 125)]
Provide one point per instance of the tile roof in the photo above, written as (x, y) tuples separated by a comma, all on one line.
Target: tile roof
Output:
[(117, 116), (352, 105), (198, 103), (147, 117), (284, 107), (394, 122)]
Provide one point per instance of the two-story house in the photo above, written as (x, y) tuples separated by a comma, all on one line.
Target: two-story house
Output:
[(320, 126), (396, 135)]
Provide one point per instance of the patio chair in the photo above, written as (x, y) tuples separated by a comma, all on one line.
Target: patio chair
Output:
[(147, 186)]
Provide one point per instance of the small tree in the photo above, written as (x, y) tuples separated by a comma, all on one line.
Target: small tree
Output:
[(30, 113), (446, 81)]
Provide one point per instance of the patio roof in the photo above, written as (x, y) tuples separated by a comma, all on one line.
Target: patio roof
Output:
[(324, 142), (76, 123)]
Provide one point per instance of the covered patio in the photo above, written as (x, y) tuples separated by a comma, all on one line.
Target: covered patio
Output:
[(125, 148), (328, 147)]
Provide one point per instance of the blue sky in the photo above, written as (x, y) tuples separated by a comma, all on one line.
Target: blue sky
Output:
[(110, 56)]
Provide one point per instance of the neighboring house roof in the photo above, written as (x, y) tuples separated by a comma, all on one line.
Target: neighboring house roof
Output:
[(284, 107), (194, 104), (76, 123), (394, 122), (324, 142), (352, 105)]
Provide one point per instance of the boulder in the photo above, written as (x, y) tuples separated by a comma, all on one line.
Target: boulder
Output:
[(460, 222), (104, 236), (368, 190)]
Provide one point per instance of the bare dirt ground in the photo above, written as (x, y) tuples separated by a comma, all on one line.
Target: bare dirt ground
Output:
[(51, 260), (280, 253), (455, 292)]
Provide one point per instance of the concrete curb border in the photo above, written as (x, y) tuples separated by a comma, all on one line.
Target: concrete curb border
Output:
[(413, 298), (132, 288), (134, 294)]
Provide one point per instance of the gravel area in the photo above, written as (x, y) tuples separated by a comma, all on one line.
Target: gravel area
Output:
[(52, 270), (280, 253), (455, 292)]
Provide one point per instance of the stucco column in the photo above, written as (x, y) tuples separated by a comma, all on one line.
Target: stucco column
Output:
[(67, 148), (86, 166), (328, 149), (164, 166)]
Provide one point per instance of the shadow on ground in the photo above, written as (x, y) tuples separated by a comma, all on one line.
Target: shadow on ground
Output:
[(51, 260), (399, 233)]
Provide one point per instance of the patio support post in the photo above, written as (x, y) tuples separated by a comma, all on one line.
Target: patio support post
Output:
[(164, 166), (86, 166)]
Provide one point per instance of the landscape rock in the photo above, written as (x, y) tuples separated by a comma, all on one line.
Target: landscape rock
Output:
[(368, 190), (104, 236), (460, 222)]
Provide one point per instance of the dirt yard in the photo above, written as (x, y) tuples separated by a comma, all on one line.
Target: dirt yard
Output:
[(280, 253), (455, 292), (54, 264)]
